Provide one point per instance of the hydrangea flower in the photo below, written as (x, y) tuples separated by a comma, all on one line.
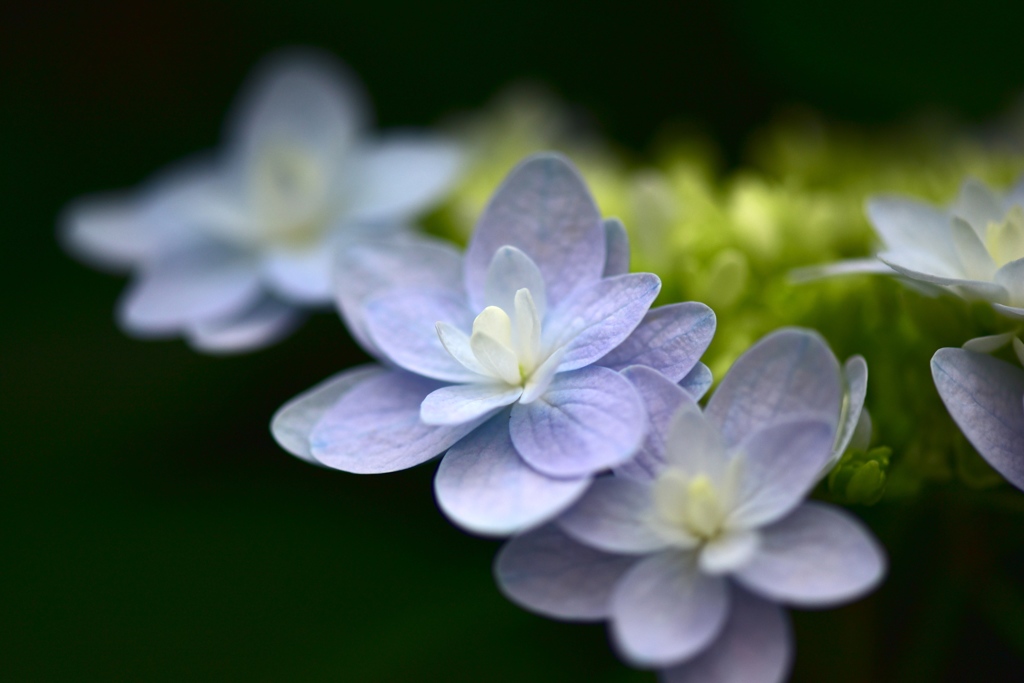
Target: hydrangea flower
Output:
[(690, 554), (974, 248), (506, 359), (229, 248), (985, 397)]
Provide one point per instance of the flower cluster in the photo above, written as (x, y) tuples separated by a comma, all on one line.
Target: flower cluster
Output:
[(566, 410)]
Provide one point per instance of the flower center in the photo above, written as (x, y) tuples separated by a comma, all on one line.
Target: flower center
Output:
[(290, 189), (1005, 240), (508, 347), (695, 505)]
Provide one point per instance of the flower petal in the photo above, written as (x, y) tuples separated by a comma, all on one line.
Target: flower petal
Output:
[(595, 319), (107, 232), (614, 515), (403, 324), (375, 427), (298, 97), (729, 551), (977, 205), (402, 175), (984, 395), (909, 226), (855, 377), (293, 422), (543, 208), (617, 248), (588, 420), (664, 610), (816, 557), (974, 257), (662, 399), (547, 572), (756, 646), (207, 281), (860, 266), (1011, 277), (264, 324), (965, 287), (694, 444), (697, 381), (781, 464), (366, 270), (484, 486), (460, 403), (789, 372), (510, 271), (671, 339)]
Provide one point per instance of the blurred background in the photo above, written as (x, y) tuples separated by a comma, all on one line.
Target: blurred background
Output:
[(153, 529)]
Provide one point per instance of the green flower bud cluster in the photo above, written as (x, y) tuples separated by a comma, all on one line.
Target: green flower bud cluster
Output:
[(859, 477)]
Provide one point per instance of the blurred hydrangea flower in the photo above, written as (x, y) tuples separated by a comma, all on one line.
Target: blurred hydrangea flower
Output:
[(507, 358), (974, 248), (688, 550), (229, 248), (985, 397)]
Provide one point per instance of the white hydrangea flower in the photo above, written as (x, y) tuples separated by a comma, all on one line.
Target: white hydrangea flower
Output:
[(974, 248), (229, 248)]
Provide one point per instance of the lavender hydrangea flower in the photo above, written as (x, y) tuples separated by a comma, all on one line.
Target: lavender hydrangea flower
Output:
[(690, 554), (229, 249), (506, 359), (973, 249), (985, 397)]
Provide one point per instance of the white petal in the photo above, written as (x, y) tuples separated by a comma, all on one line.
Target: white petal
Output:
[(913, 227), (303, 276), (107, 232), (855, 376), (816, 557), (294, 421), (461, 403), (988, 344), (402, 175), (456, 343), (484, 486), (665, 611), (1011, 277), (496, 358), (542, 377), (695, 445), (547, 572), (974, 256), (865, 266), (729, 552), (977, 205), (510, 271), (662, 398), (962, 285)]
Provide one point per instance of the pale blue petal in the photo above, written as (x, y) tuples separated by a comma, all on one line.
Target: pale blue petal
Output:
[(664, 610), (587, 421), (547, 572), (789, 372), (818, 556), (402, 175), (293, 422), (756, 646), (617, 247), (403, 325), (985, 396), (595, 319), (780, 465), (108, 232), (662, 399), (375, 427), (510, 271), (544, 208), (365, 271), (697, 381), (861, 266), (266, 323), (855, 377), (485, 487), (304, 275), (614, 515), (205, 282), (671, 339), (460, 403)]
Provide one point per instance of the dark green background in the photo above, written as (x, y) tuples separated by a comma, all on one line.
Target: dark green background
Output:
[(153, 530)]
